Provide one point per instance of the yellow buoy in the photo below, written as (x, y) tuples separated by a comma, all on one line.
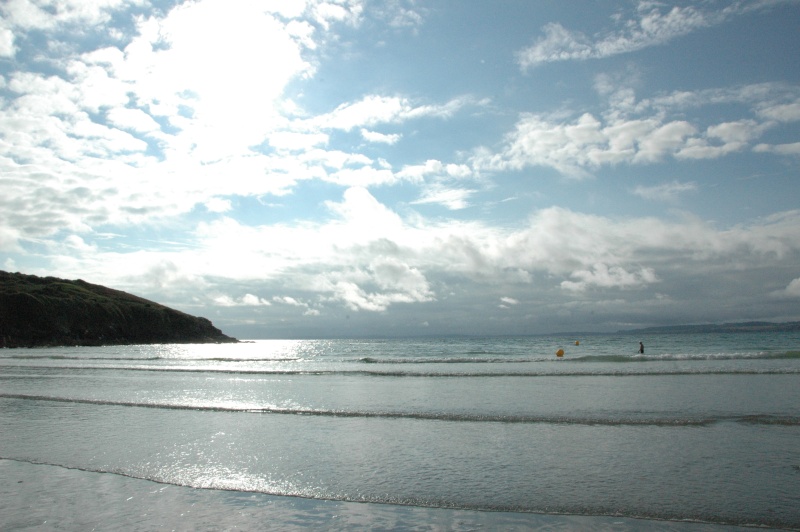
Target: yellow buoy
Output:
[(577, 342), (560, 353)]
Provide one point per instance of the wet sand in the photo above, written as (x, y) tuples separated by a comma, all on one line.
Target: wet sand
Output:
[(47, 497)]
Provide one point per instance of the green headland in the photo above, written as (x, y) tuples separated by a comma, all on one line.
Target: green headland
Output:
[(47, 311)]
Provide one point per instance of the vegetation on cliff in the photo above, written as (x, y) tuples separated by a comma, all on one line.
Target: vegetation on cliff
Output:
[(46, 311)]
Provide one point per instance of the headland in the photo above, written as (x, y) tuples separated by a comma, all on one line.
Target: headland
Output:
[(47, 311)]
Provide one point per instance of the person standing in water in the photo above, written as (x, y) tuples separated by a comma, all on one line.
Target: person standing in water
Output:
[(641, 348)]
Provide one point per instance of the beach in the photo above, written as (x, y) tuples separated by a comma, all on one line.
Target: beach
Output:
[(43, 497), (427, 434)]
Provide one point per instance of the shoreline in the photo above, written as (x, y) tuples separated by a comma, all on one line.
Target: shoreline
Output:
[(44, 496)]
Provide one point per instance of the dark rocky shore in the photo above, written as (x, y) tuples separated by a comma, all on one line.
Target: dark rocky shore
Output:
[(46, 311)]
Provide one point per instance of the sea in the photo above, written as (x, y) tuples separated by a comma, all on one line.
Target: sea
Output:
[(701, 432)]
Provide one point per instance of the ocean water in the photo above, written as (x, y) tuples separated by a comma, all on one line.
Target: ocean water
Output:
[(701, 432)]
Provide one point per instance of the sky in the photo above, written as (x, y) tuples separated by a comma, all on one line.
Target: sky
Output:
[(349, 168)]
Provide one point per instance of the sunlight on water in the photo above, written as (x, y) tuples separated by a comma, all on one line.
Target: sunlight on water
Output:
[(264, 350), (699, 428)]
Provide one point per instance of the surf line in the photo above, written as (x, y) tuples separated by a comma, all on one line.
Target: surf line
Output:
[(427, 416)]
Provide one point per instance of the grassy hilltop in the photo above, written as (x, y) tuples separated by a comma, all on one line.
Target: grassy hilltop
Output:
[(46, 311)]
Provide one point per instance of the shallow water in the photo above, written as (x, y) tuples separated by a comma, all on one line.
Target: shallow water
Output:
[(702, 428)]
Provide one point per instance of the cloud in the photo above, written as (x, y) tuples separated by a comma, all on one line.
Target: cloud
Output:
[(325, 13), (9, 240), (374, 109), (792, 148), (366, 257), (28, 15), (603, 276), (722, 139), (653, 24), (374, 136), (573, 148), (247, 300), (507, 302), (452, 198), (168, 152), (637, 132), (384, 282), (793, 289), (167, 112), (355, 297), (292, 141), (163, 117), (288, 300), (665, 192), (363, 217), (218, 205), (7, 48), (132, 119), (782, 112)]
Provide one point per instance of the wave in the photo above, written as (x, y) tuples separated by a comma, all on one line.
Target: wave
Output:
[(469, 358), (422, 374), (665, 421), (150, 359), (410, 374), (450, 360), (680, 357), (514, 359), (551, 516), (493, 359)]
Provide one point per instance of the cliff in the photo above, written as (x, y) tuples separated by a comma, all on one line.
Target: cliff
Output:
[(46, 311)]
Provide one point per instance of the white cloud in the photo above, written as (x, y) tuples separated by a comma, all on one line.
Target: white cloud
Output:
[(41, 14), (79, 245), (389, 273), (287, 300), (603, 276), (9, 239), (369, 111), (197, 112), (653, 24), (793, 289), (174, 114), (383, 138), (292, 302), (363, 217), (665, 192), (326, 13), (218, 205), (364, 176), (366, 257), (374, 109), (7, 48), (288, 140), (634, 133), (781, 112), (722, 139), (247, 300), (451, 198), (408, 286), (157, 125), (132, 119), (251, 300), (781, 149)]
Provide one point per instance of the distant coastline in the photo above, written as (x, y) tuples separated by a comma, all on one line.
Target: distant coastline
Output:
[(47, 311), (747, 326)]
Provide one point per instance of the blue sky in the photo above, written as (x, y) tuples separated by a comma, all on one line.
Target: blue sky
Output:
[(357, 167)]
